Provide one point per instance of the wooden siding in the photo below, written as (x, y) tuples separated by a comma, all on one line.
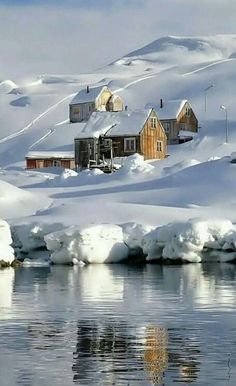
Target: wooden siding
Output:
[(118, 146), (149, 138), (190, 122), (146, 142), (81, 112), (115, 104), (30, 164), (102, 100), (47, 163)]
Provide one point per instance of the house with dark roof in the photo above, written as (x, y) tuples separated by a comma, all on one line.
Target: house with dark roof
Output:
[(120, 134), (177, 117), (93, 99)]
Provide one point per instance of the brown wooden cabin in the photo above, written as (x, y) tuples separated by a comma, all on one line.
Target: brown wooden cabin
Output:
[(123, 134), (177, 116), (48, 159)]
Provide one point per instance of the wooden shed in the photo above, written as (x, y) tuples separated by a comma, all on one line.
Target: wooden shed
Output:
[(120, 135), (176, 116), (48, 159)]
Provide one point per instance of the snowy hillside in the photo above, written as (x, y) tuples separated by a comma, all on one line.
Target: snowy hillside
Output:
[(169, 68), (193, 181)]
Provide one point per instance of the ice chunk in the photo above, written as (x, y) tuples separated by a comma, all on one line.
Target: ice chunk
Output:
[(188, 240), (94, 244)]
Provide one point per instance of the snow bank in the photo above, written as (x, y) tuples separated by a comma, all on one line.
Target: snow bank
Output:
[(95, 244), (6, 251), (133, 236), (71, 178), (135, 165), (192, 241), (30, 237), (64, 177), (6, 86)]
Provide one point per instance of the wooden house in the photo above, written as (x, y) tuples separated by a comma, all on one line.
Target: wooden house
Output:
[(120, 134), (176, 117), (93, 99), (48, 159)]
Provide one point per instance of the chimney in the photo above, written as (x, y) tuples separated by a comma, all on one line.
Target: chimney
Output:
[(87, 89), (161, 103)]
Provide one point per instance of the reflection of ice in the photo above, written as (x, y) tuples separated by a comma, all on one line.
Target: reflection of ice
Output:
[(203, 286), (6, 289), (98, 284)]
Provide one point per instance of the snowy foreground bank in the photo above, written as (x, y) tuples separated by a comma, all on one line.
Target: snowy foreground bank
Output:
[(192, 241), (6, 251)]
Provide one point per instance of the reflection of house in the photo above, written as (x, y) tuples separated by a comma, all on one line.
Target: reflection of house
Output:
[(45, 159), (177, 116), (120, 134), (93, 99), (156, 353)]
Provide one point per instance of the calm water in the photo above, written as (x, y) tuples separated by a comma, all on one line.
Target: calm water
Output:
[(118, 325)]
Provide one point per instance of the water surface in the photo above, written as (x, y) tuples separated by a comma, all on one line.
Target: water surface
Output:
[(118, 325)]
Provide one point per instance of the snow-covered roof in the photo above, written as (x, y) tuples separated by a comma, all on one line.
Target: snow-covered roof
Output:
[(186, 134), (170, 109), (83, 96), (115, 123), (50, 154)]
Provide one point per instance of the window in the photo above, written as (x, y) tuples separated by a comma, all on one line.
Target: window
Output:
[(107, 143), (188, 112), (167, 127), (159, 145), (57, 163), (130, 144), (153, 123), (182, 126), (76, 110)]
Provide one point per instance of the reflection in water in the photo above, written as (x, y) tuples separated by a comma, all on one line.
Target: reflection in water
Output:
[(6, 290), (110, 350), (118, 325), (100, 285), (156, 353), (184, 355), (100, 349)]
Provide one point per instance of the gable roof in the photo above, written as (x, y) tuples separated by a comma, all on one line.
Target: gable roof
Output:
[(111, 124), (83, 96), (170, 109)]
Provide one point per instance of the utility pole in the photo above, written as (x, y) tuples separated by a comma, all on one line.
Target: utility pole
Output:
[(222, 107), (205, 91)]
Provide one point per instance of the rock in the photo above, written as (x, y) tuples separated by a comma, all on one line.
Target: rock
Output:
[(16, 264), (4, 264)]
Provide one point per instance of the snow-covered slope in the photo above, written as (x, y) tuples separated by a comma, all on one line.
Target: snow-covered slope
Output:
[(197, 179), (169, 68)]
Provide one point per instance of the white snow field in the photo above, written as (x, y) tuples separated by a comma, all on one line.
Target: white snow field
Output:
[(196, 180)]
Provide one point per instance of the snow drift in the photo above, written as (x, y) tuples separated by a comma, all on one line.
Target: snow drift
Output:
[(28, 238), (7, 252), (15, 202), (192, 241), (95, 244)]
